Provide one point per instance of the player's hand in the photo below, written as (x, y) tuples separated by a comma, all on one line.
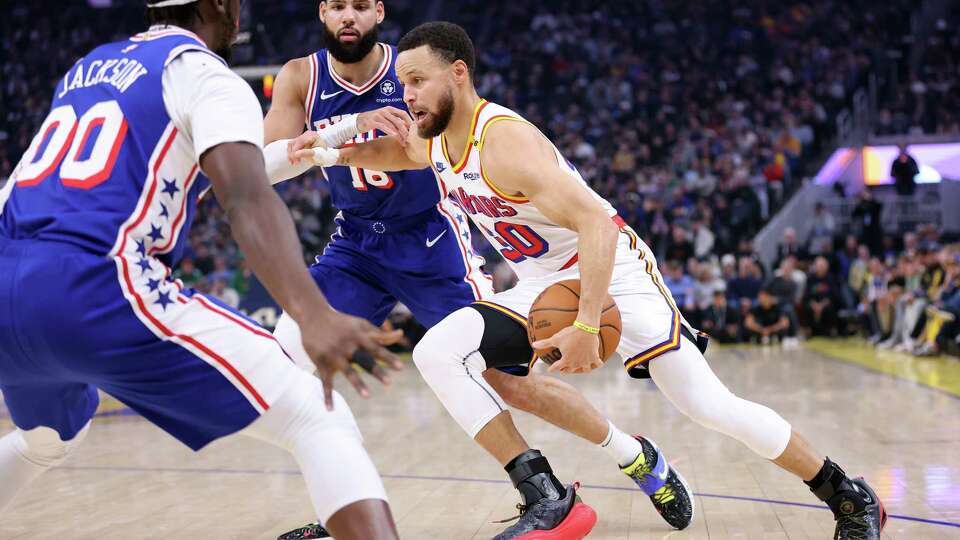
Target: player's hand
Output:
[(390, 120), (330, 341), (580, 351), (303, 149), (306, 141)]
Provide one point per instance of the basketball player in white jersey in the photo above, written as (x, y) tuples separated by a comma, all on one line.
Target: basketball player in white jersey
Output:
[(524, 195), (402, 239)]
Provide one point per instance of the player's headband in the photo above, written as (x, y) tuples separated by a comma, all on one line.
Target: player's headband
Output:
[(168, 3)]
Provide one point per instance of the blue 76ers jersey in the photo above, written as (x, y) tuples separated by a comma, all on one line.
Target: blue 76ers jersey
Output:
[(365, 193), (108, 171)]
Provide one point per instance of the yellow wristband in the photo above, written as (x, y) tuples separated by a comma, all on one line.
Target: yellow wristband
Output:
[(586, 328)]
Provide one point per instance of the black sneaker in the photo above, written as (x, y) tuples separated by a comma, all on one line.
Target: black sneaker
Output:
[(667, 489), (313, 530), (568, 518), (860, 514)]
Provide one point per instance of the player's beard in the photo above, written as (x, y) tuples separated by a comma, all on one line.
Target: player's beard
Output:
[(350, 53), (441, 119)]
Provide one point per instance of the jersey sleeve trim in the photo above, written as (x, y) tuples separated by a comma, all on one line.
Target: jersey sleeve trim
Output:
[(493, 120), (458, 168), (518, 199), (312, 92)]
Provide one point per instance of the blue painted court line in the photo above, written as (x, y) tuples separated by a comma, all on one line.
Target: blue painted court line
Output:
[(287, 472)]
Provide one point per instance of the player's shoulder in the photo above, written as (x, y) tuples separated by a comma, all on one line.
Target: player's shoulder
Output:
[(199, 64), (505, 131)]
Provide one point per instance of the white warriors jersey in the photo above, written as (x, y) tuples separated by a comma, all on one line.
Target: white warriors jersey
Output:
[(531, 243)]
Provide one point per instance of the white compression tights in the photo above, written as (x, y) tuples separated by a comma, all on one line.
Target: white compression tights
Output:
[(326, 444), (448, 360), (687, 381)]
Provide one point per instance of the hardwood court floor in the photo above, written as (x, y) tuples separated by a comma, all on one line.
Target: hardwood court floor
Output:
[(131, 481)]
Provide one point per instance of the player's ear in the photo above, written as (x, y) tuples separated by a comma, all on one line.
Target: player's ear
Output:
[(381, 13), (461, 72), (321, 11)]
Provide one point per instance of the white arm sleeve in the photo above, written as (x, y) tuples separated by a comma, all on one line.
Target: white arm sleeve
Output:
[(278, 166), (210, 104)]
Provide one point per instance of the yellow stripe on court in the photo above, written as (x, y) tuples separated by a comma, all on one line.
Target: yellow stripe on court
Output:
[(940, 373)]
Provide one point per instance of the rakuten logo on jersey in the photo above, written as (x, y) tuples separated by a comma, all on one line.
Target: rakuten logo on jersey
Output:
[(493, 207)]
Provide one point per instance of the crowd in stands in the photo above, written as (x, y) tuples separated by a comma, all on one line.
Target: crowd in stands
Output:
[(696, 120), (900, 293), (929, 100)]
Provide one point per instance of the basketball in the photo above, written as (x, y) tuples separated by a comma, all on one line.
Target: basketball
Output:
[(556, 308)]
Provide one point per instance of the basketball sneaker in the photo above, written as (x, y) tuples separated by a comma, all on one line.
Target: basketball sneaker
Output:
[(859, 513), (567, 518), (668, 491), (313, 530)]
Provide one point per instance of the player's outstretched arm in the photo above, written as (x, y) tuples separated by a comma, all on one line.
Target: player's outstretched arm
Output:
[(392, 153), (566, 202), (262, 226), (287, 115)]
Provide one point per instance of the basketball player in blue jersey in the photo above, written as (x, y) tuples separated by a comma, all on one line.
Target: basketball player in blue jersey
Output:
[(397, 239), (553, 227), (92, 220)]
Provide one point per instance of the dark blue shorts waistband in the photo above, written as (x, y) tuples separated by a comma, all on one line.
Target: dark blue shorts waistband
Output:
[(388, 225)]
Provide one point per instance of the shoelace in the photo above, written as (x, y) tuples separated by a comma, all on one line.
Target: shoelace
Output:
[(664, 495), (855, 523), (521, 508)]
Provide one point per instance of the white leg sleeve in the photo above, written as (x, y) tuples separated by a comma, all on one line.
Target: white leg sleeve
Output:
[(25, 455), (688, 382), (287, 333), (326, 444), (449, 360)]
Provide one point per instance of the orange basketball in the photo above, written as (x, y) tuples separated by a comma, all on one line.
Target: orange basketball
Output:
[(556, 308)]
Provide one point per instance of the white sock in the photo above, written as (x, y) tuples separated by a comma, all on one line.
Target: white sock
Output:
[(622, 447), (16, 471)]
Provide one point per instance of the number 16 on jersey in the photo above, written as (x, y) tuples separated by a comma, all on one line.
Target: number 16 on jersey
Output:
[(364, 177)]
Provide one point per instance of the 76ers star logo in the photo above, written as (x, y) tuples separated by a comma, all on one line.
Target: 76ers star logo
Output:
[(387, 88)]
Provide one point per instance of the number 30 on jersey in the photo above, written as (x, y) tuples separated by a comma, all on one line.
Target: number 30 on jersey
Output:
[(519, 241)]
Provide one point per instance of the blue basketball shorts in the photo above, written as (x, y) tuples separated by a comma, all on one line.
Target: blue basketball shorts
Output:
[(425, 261), (73, 322)]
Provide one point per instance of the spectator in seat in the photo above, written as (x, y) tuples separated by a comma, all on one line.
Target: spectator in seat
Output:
[(680, 248), (188, 273), (822, 226), (746, 286), (681, 287), (227, 295), (720, 319), (821, 299), (767, 321), (706, 284), (790, 246)]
